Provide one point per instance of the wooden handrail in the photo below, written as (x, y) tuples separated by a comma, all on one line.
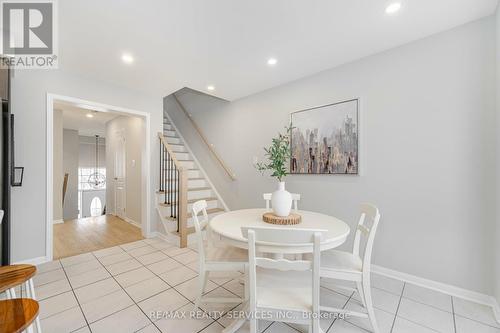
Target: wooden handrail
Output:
[(170, 151), (204, 138)]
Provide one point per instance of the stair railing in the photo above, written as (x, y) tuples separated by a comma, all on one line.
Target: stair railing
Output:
[(210, 146), (174, 187)]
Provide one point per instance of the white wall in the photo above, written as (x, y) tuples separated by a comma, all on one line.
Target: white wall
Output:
[(497, 241), (133, 129), (428, 143), (70, 166), (29, 93), (86, 151), (58, 166)]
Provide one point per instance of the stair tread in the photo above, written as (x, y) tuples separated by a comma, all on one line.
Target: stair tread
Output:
[(209, 211), (190, 201), (194, 169), (196, 178), (190, 189)]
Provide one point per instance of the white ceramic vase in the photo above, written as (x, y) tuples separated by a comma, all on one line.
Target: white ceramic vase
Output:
[(281, 201)]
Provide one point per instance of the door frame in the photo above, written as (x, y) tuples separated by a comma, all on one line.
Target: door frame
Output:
[(146, 163)]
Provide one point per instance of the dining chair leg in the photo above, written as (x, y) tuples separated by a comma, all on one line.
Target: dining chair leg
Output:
[(369, 304), (202, 282), (30, 291), (247, 284), (315, 325), (359, 287), (253, 325)]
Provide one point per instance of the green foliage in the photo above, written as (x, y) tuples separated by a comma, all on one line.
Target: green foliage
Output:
[(278, 156)]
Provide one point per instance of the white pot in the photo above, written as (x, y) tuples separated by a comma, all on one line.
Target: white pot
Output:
[(281, 201)]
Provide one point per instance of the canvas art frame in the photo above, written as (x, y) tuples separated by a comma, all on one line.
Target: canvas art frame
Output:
[(325, 140)]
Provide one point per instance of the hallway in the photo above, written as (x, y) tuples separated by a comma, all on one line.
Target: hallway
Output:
[(91, 234)]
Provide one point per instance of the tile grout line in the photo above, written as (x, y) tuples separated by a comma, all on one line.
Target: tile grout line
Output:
[(197, 275), (453, 312), (135, 303), (429, 305), (477, 321), (171, 287), (397, 309), (77, 300), (343, 308)]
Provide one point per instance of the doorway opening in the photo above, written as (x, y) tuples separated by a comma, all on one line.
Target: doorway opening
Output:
[(98, 164)]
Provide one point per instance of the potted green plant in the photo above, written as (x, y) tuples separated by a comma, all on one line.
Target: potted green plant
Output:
[(278, 157)]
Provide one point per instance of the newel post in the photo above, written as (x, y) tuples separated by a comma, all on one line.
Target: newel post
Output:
[(183, 206)]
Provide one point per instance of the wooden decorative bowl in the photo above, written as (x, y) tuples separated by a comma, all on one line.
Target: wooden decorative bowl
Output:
[(291, 219)]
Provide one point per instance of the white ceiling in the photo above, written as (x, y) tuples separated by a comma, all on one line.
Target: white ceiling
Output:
[(75, 118), (194, 43)]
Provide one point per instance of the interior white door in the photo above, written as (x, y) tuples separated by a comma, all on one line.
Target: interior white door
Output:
[(120, 175)]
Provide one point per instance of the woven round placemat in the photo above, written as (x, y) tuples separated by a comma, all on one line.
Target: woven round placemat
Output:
[(282, 220)]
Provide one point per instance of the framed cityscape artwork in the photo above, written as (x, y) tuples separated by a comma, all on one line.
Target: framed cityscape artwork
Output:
[(324, 139)]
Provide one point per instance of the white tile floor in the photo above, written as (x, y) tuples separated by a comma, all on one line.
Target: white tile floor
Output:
[(116, 289)]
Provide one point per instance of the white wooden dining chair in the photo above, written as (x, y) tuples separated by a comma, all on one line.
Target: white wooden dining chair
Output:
[(355, 266), (295, 198), (214, 259), (277, 285)]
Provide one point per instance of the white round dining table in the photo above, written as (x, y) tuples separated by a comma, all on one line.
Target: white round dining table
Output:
[(226, 227)]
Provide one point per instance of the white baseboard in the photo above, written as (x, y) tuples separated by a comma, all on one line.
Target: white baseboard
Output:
[(134, 223), (496, 309), (444, 288), (173, 239), (58, 221), (33, 261)]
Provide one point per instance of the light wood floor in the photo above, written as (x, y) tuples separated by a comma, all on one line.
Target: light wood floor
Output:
[(91, 234)]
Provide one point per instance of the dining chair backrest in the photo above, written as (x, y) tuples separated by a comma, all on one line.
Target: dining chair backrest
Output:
[(365, 234), (283, 237), (295, 197), (199, 226)]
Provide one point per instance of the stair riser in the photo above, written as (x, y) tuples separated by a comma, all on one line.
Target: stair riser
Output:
[(182, 156), (173, 140), (169, 133), (192, 183), (192, 173), (188, 164), (168, 127), (210, 204), (191, 195), (199, 194), (178, 148)]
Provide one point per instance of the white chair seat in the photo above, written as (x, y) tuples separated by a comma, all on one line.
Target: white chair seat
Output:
[(225, 254), (284, 290), (341, 261)]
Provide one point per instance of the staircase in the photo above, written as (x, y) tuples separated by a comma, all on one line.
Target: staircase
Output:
[(182, 182)]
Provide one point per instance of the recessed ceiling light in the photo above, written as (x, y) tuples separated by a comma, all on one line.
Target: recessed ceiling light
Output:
[(210, 88), (393, 8), (90, 115), (127, 58), (272, 61)]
